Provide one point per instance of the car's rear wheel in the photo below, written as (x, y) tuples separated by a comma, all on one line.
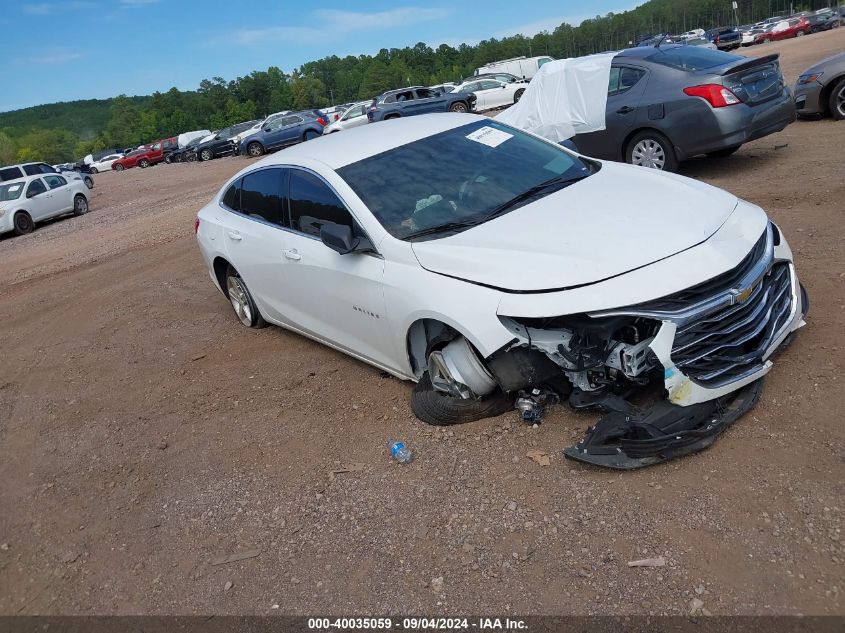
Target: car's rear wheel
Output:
[(23, 223), (723, 153), (118, 167), (836, 102), (255, 149), (518, 95), (143, 163), (460, 106), (89, 182), (439, 409), (799, 34), (651, 149), (205, 154), (309, 134), (80, 205), (241, 300), (94, 170), (168, 159)]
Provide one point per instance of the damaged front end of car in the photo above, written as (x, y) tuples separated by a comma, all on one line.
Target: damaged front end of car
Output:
[(668, 375)]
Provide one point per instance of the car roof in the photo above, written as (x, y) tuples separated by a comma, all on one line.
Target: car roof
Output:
[(338, 150), (26, 179)]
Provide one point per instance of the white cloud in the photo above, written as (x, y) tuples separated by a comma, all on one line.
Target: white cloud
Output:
[(57, 57), (37, 9), (336, 23)]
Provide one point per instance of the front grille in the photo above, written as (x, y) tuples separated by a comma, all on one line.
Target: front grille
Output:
[(721, 346)]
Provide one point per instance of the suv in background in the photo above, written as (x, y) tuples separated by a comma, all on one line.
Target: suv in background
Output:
[(14, 172), (417, 100), (283, 131), (725, 37)]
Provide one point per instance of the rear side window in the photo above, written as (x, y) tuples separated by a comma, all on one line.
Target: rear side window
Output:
[(55, 181), (35, 187), (623, 79), (291, 120), (313, 203), (692, 58), (10, 173), (261, 195), (232, 197)]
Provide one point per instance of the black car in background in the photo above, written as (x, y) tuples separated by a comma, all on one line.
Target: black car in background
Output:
[(221, 144)]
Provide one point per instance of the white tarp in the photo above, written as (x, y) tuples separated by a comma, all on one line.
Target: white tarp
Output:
[(566, 97), (187, 137)]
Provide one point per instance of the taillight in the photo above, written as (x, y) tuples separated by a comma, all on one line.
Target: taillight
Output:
[(321, 121), (196, 225), (716, 41), (718, 96)]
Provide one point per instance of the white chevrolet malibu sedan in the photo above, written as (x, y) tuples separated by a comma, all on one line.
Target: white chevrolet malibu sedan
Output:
[(36, 198), (499, 270)]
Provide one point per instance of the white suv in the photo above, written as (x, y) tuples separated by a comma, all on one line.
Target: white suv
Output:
[(497, 269)]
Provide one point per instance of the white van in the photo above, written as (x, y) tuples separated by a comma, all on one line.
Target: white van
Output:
[(525, 67)]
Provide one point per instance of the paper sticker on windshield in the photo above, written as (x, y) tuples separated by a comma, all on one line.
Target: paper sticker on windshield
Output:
[(489, 136), (14, 188)]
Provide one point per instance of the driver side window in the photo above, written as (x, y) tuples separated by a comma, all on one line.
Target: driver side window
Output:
[(35, 188), (313, 203)]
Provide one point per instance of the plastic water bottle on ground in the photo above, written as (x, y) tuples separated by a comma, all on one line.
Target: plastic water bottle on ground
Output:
[(400, 452)]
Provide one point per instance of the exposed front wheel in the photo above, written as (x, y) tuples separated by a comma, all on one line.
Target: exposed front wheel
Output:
[(94, 170), (518, 95), (439, 409), (241, 300), (651, 149), (255, 149), (80, 205), (23, 223), (460, 106), (118, 167), (143, 163), (206, 154)]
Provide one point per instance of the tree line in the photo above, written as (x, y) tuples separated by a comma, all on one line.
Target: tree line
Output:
[(66, 131)]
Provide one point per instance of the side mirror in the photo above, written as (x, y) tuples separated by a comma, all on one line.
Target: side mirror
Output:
[(339, 238)]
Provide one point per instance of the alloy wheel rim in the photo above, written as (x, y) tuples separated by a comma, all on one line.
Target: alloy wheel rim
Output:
[(81, 205), (21, 223), (649, 153), (254, 150), (239, 300), (840, 101)]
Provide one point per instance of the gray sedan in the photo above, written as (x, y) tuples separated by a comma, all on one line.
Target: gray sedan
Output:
[(821, 88), (669, 103)]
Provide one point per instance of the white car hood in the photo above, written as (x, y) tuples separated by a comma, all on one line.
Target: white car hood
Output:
[(617, 220)]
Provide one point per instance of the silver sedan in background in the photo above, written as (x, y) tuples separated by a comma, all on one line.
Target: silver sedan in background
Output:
[(821, 88)]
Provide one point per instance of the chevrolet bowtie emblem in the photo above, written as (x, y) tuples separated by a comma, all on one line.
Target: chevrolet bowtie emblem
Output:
[(740, 295)]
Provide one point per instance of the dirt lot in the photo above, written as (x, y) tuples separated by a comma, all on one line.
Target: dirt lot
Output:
[(145, 433)]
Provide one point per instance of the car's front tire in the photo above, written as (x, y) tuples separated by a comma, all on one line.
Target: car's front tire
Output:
[(242, 303), (23, 223), (836, 101), (94, 170), (255, 149), (460, 106), (89, 182), (205, 155), (438, 409), (650, 148), (80, 205), (118, 167), (143, 163), (518, 95)]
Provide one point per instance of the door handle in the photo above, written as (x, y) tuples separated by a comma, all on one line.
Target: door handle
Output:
[(625, 110), (292, 254), (235, 236)]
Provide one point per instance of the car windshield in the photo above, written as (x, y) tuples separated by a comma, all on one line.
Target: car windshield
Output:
[(692, 58), (456, 179), (10, 191)]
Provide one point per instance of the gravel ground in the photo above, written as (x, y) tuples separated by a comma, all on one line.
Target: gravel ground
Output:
[(146, 435)]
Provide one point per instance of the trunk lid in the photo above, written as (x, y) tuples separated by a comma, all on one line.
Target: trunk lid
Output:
[(754, 81)]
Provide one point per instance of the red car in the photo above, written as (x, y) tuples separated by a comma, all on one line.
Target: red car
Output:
[(145, 157), (794, 27)]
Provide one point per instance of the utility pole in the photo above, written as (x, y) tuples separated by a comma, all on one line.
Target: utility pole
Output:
[(331, 92)]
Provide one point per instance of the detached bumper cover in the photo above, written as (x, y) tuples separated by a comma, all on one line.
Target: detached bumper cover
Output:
[(626, 441)]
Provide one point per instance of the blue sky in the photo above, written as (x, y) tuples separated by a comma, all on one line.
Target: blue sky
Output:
[(76, 49)]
